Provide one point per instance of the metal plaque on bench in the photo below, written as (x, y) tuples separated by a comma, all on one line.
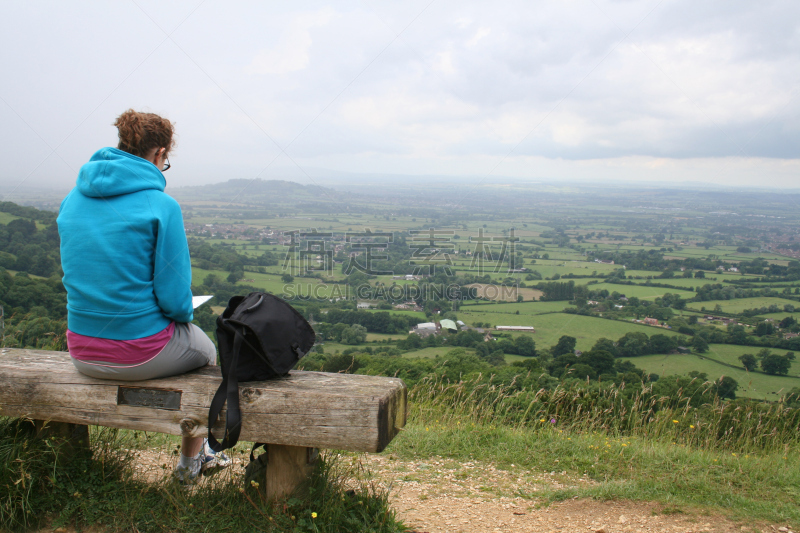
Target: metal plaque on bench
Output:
[(155, 398)]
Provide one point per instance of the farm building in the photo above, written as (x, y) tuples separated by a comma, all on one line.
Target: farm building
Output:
[(424, 329), (448, 325), (529, 329)]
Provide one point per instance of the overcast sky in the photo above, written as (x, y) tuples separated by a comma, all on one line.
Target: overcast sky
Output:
[(565, 90)]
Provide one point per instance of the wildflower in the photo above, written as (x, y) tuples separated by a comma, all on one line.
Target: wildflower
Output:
[(691, 426), (624, 444), (313, 515), (541, 420), (552, 420), (674, 421), (254, 483), (733, 454)]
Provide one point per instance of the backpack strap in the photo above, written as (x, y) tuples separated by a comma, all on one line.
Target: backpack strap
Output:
[(228, 390)]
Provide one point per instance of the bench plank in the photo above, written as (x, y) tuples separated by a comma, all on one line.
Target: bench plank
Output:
[(308, 409)]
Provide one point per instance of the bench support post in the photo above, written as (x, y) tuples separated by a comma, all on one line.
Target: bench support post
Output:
[(285, 468), (74, 437)]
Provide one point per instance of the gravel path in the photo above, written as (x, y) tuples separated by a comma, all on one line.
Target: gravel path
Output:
[(443, 496)]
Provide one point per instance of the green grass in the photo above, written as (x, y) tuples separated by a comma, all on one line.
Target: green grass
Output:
[(729, 354), (272, 283), (5, 218), (742, 486), (550, 327), (429, 353), (751, 384), (99, 491), (737, 458), (740, 304), (372, 337), (524, 308), (640, 291)]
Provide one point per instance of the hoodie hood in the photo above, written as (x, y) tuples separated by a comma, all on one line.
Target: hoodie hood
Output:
[(112, 172)]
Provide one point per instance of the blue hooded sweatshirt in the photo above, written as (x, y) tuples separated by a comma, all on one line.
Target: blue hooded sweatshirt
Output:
[(123, 250)]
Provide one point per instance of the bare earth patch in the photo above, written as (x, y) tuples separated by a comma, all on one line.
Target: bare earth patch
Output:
[(441, 495)]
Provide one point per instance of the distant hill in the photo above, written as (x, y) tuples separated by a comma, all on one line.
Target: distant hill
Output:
[(258, 190)]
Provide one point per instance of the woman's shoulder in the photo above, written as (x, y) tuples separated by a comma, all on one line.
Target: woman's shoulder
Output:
[(162, 203)]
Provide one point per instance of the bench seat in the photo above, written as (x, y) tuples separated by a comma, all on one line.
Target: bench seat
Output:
[(305, 409)]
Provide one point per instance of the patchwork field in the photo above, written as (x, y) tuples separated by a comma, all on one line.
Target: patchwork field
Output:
[(751, 384), (740, 304), (641, 291)]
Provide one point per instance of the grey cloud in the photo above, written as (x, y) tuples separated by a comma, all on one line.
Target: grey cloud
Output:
[(334, 82)]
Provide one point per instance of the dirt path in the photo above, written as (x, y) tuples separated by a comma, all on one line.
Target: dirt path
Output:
[(443, 496)]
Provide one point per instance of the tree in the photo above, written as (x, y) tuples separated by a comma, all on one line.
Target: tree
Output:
[(725, 387), (776, 365), (287, 278), (606, 345), (699, 274), (525, 346), (633, 344), (600, 360), (749, 361), (581, 371), (764, 328), (565, 345), (496, 358), (660, 343), (699, 344), (355, 334)]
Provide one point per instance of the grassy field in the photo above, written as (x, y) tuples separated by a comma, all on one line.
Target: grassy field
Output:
[(272, 283), (524, 308), (740, 304), (550, 327), (372, 337), (509, 294), (729, 354), (640, 291), (751, 384), (429, 352), (5, 218)]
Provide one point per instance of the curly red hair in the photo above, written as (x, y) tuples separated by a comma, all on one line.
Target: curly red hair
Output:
[(139, 132)]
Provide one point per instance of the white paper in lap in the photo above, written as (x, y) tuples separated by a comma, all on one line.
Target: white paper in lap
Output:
[(197, 301)]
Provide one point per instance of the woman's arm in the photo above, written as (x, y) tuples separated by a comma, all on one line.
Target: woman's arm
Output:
[(172, 275)]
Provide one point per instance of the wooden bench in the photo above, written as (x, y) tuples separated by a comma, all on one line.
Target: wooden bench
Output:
[(295, 415)]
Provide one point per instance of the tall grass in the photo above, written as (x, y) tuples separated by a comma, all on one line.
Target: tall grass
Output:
[(101, 489), (626, 409)]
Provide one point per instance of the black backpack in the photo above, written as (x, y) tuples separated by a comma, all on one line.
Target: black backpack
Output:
[(259, 337)]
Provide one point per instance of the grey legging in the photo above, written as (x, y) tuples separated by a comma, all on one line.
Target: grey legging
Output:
[(189, 348)]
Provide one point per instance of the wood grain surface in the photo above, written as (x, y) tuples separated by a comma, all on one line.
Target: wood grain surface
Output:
[(309, 409)]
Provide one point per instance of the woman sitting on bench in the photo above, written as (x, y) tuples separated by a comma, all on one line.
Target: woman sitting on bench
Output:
[(127, 271)]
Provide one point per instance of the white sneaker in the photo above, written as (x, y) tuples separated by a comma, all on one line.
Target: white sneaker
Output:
[(189, 473), (212, 460)]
